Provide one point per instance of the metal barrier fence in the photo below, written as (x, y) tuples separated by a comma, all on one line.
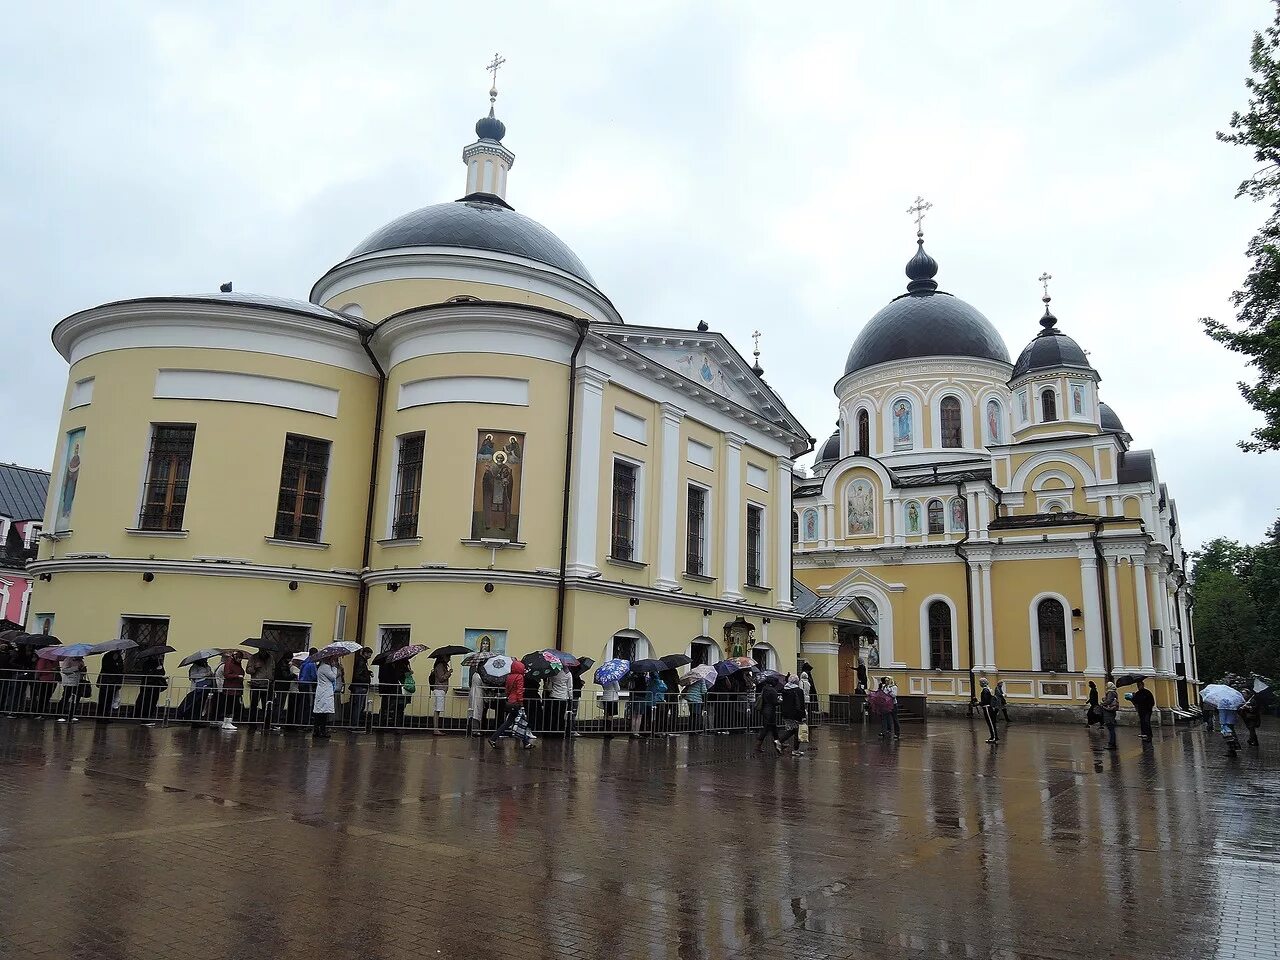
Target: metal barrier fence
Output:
[(383, 708)]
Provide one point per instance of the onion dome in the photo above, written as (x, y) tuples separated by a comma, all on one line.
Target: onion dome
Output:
[(1051, 350), (830, 451), (1108, 420), (925, 322), (490, 127)]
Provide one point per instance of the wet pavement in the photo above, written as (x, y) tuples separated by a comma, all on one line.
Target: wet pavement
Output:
[(122, 842)]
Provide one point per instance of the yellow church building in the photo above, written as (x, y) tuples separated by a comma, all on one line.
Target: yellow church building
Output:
[(992, 518), (456, 440)]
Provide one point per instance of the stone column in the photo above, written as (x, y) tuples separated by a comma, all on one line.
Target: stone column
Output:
[(1161, 596), (1113, 612), (782, 578), (988, 624), (1140, 593), (1095, 657), (583, 550), (669, 498), (731, 561), (979, 631)]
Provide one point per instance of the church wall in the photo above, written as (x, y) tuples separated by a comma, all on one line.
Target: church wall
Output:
[(707, 476), (440, 613), (648, 455), (235, 470), (1016, 586), (449, 462), (380, 300)]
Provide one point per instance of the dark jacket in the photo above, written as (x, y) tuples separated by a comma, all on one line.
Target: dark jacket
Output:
[(360, 672), (1144, 702), (793, 704), (111, 673), (769, 699), (1093, 695), (987, 699)]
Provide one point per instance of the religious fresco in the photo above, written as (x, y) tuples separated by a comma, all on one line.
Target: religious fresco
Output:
[(958, 524), (811, 524), (901, 425), (913, 517), (861, 508), (1022, 406), (993, 422), (484, 641), (495, 505), (69, 480), (701, 368), (1077, 399)]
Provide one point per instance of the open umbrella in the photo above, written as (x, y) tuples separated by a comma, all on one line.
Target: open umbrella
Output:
[(611, 671), (494, 670), (676, 660), (770, 676), (108, 645), (584, 663), (399, 653), (568, 660), (62, 653), (726, 667), (258, 643), (540, 664), (9, 636), (745, 663), (1129, 679), (301, 657), (36, 640), (648, 666), (1261, 684), (151, 653), (452, 650), (703, 672), (1222, 696), (339, 648), (477, 658), (204, 654)]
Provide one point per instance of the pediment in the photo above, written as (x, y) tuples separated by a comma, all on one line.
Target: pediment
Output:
[(864, 579)]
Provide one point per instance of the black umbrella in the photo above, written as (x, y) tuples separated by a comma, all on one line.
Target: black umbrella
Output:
[(648, 666), (453, 650), (675, 660), (538, 665), (149, 653), (36, 640), (259, 643), (584, 663), (1129, 679)]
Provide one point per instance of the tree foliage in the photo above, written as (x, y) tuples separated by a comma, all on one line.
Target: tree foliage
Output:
[(1257, 302), (1236, 589)]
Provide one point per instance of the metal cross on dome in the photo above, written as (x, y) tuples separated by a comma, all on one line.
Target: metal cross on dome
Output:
[(1044, 278), (755, 341), (918, 210), (498, 61)]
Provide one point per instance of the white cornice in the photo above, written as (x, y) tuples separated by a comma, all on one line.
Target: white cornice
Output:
[(475, 328), (895, 372), (244, 571), (465, 264)]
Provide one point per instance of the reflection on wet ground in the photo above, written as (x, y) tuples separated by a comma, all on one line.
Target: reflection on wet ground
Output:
[(119, 843)]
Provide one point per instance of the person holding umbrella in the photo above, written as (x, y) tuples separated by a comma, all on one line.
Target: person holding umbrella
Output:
[(110, 680), (230, 679), (793, 714), (609, 675), (1093, 712), (767, 703), (260, 670), (325, 697), (516, 722), (439, 682), (73, 677), (1110, 708), (152, 679), (559, 687), (361, 680), (200, 676), (1251, 714), (46, 678), (1144, 702)]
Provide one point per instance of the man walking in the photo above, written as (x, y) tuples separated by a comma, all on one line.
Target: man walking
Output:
[(987, 702), (1144, 702)]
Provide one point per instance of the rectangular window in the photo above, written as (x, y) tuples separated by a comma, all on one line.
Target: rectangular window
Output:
[(302, 479), (695, 559), (623, 541), (164, 499), (294, 637), (755, 545), (408, 486), (393, 638), (145, 632)]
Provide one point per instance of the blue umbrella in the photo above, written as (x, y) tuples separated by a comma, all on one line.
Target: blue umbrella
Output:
[(726, 667), (611, 671), (62, 653)]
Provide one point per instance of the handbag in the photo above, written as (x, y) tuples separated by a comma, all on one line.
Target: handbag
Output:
[(521, 727), (802, 734), (410, 685)]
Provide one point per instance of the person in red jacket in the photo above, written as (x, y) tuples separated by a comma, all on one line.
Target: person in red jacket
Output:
[(515, 723)]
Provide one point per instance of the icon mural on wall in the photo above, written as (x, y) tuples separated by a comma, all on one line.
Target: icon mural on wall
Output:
[(811, 524), (862, 517), (1077, 399), (495, 506), (485, 641), (70, 478), (957, 515), (700, 368), (901, 425), (1022, 406), (993, 421), (913, 517)]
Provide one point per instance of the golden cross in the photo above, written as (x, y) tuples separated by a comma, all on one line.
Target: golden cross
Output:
[(498, 61), (918, 210), (1044, 278)]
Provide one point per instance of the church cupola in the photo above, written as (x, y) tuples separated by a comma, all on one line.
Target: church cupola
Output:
[(1053, 383), (488, 161)]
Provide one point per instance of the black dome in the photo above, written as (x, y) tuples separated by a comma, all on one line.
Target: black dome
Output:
[(1050, 350), (929, 324), (478, 222), (925, 322), (1108, 420), (490, 128), (830, 451)]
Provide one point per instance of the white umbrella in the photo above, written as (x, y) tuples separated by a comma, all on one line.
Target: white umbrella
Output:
[(495, 669), (108, 645), (1223, 697), (199, 655), (300, 657), (339, 648)]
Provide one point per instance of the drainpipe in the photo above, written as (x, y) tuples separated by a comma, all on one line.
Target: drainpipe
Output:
[(1106, 601), (362, 608), (968, 593), (583, 326)]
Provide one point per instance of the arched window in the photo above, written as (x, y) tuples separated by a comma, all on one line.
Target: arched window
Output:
[(940, 636), (936, 518), (1048, 405), (1051, 619), (864, 433), (952, 433), (994, 419)]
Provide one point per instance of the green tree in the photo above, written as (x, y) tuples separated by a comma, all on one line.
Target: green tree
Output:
[(1236, 589), (1257, 303)]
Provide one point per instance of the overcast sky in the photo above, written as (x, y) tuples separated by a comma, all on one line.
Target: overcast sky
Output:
[(747, 164)]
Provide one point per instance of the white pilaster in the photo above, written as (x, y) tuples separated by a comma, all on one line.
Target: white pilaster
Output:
[(979, 631), (1095, 658), (1113, 610), (669, 498), (988, 625), (586, 474), (732, 560), (1161, 587), (782, 578), (1144, 613)]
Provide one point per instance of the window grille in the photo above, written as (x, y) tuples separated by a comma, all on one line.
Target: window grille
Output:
[(302, 480), (164, 499)]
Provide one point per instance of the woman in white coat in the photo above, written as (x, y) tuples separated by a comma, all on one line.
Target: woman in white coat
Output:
[(324, 704), (476, 707)]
